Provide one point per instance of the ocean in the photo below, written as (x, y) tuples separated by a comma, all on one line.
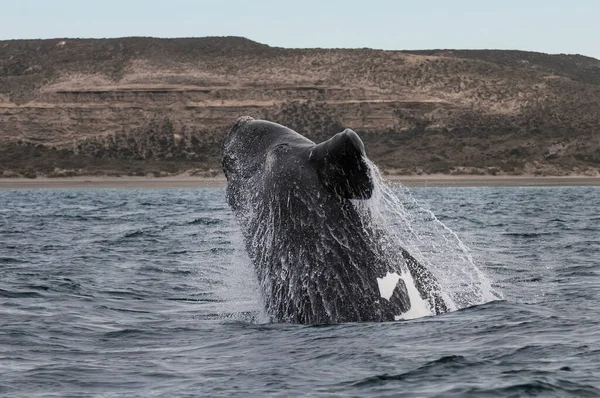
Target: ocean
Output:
[(148, 292)]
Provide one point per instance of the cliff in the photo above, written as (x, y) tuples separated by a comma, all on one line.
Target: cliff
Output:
[(144, 105)]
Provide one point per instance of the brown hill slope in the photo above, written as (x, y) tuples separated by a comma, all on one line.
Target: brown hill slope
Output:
[(139, 105)]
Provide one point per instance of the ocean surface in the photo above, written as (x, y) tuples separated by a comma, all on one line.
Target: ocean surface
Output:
[(142, 292)]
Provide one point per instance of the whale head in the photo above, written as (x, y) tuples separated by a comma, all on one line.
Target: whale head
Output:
[(258, 147)]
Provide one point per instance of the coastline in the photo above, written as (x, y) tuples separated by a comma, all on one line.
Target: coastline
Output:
[(186, 181)]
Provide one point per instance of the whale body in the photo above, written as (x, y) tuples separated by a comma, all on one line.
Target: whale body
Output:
[(318, 259)]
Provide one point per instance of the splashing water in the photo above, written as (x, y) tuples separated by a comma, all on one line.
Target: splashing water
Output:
[(239, 290), (432, 243)]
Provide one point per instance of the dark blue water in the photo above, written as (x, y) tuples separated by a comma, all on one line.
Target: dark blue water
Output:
[(146, 292)]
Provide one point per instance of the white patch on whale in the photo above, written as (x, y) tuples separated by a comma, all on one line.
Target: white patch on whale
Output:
[(418, 307), (387, 284)]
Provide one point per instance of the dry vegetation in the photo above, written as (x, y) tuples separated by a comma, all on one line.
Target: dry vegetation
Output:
[(137, 106)]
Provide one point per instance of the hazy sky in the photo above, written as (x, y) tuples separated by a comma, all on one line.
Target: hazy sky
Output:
[(548, 26)]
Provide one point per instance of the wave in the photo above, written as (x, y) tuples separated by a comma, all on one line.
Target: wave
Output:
[(550, 388), (530, 235), (205, 221), (445, 363), (19, 294)]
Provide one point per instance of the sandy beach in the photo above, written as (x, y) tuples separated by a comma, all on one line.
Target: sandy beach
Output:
[(186, 181)]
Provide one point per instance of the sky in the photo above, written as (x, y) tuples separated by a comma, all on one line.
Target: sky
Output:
[(547, 26)]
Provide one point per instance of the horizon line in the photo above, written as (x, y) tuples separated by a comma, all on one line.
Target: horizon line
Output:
[(295, 48)]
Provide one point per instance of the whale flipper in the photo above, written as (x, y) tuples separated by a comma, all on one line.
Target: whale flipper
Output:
[(341, 166), (426, 284)]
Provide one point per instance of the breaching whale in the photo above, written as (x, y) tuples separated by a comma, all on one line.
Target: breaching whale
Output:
[(317, 258)]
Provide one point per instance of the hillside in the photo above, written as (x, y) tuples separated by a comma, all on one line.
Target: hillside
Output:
[(134, 106)]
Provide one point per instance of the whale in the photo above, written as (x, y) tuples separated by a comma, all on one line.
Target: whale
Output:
[(318, 258)]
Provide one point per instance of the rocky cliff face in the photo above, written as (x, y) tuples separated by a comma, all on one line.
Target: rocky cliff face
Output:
[(143, 105)]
